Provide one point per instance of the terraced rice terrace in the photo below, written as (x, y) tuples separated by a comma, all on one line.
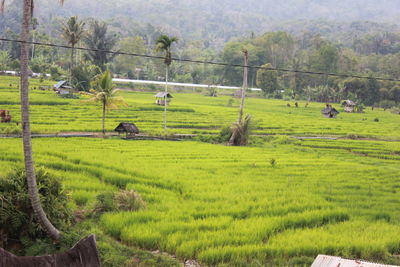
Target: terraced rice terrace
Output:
[(279, 201)]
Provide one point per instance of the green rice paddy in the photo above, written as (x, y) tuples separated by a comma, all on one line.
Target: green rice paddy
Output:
[(281, 202), (192, 113)]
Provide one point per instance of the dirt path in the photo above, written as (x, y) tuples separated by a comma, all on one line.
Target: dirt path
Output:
[(178, 137)]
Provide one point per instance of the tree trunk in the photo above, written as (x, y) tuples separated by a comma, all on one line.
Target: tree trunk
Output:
[(72, 59), (26, 132), (165, 98), (243, 94), (104, 118), (245, 84)]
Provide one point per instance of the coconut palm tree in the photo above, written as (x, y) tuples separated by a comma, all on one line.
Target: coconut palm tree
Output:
[(104, 93), (25, 118), (73, 31), (163, 44)]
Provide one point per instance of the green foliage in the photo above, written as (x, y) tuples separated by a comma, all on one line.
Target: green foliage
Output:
[(164, 44), (123, 200), (130, 65), (83, 75), (98, 39), (128, 200), (17, 221), (5, 60), (273, 162), (386, 104), (267, 80)]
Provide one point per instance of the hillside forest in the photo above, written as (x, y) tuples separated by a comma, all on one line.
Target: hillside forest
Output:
[(357, 48)]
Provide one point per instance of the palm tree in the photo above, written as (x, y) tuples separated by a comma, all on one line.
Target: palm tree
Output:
[(25, 118), (98, 39), (163, 44), (104, 93), (72, 32)]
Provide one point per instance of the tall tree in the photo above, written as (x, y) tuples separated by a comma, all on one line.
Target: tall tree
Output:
[(104, 93), (130, 65), (72, 32), (164, 44), (99, 40), (267, 79), (25, 118)]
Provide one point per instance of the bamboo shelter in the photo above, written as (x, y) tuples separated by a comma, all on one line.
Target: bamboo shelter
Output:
[(348, 106), (162, 97)]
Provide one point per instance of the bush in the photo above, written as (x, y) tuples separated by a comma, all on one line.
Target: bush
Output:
[(128, 200), (230, 102), (17, 221), (69, 96), (386, 104), (123, 200), (240, 132)]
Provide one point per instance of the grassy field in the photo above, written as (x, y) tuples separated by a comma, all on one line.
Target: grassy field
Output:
[(282, 201), (191, 113), (230, 205)]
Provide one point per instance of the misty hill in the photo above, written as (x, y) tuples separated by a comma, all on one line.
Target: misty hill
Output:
[(221, 20)]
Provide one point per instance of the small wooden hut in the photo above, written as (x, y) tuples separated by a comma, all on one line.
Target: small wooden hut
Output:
[(348, 106), (64, 88), (161, 97), (129, 129), (329, 111)]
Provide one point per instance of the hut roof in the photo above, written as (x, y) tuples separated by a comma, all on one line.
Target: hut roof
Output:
[(163, 94), (329, 110), (331, 261), (127, 128), (348, 103), (62, 84)]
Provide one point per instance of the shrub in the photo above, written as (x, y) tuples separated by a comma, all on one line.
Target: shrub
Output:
[(230, 102), (17, 221), (241, 132), (104, 203), (273, 162), (128, 200), (386, 104), (123, 200)]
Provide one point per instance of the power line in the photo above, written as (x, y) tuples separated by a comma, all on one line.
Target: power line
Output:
[(341, 75)]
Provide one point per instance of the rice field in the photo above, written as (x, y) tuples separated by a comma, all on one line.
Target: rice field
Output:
[(191, 113), (279, 202), (230, 205)]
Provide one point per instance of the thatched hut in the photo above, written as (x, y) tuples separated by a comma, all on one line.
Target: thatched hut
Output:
[(129, 129), (329, 111), (348, 106), (161, 97)]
